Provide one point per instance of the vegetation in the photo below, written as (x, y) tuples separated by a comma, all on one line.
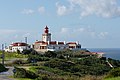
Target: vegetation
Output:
[(114, 78), (114, 62), (23, 79), (74, 63), (87, 66), (10, 55), (2, 68), (64, 65), (114, 73), (22, 73)]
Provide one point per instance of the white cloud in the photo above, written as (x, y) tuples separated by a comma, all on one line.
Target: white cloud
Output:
[(103, 8), (26, 35), (7, 31), (93, 34), (16, 36), (86, 31), (81, 31), (61, 9), (28, 11), (41, 9), (103, 35), (64, 30), (6, 35)]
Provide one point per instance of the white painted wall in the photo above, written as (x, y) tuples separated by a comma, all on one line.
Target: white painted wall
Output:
[(15, 48)]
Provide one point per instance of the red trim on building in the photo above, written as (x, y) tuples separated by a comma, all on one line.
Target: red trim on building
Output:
[(42, 42), (19, 44), (39, 42), (53, 42), (45, 43), (60, 42), (72, 43)]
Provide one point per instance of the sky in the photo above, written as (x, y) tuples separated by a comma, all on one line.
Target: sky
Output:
[(94, 23)]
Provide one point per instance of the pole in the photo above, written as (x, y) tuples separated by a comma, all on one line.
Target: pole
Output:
[(3, 54), (26, 42)]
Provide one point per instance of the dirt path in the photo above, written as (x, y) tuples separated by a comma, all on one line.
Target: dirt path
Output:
[(5, 75)]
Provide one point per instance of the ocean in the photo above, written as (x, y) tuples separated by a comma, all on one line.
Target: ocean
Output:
[(108, 52)]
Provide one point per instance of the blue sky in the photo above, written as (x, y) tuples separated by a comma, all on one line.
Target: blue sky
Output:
[(94, 23)]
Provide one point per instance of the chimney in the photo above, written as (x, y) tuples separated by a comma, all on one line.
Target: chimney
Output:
[(64, 42), (48, 42)]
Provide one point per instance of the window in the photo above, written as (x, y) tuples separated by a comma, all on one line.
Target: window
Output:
[(45, 47), (71, 46)]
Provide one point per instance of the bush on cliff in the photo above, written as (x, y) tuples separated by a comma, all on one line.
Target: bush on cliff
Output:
[(22, 73), (2, 68), (86, 66), (114, 73)]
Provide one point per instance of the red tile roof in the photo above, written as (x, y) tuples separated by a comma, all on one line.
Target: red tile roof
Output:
[(53, 42), (39, 42), (19, 44), (60, 42), (72, 43), (42, 42)]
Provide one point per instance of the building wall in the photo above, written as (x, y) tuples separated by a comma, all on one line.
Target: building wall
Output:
[(47, 45), (43, 48), (20, 48), (46, 37), (15, 48)]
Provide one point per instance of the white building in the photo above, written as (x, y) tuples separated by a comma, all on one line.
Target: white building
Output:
[(48, 45), (14, 47)]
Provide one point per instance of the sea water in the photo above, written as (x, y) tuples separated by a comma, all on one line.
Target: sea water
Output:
[(108, 52)]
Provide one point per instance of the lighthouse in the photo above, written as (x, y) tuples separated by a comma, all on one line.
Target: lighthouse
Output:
[(46, 44), (46, 36)]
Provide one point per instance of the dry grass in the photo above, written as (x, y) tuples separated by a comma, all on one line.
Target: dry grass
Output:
[(89, 77)]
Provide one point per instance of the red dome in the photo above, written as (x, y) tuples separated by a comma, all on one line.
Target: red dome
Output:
[(46, 29)]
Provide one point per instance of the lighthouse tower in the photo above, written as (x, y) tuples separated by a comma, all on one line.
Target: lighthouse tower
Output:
[(46, 36)]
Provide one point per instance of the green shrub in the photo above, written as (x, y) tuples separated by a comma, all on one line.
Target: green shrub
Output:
[(114, 73), (31, 75), (35, 58), (2, 68), (51, 54), (86, 66), (45, 77), (115, 63), (22, 73), (90, 77), (19, 73), (60, 64), (17, 62), (26, 51)]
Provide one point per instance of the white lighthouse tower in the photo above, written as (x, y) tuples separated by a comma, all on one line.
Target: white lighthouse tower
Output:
[(46, 37)]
